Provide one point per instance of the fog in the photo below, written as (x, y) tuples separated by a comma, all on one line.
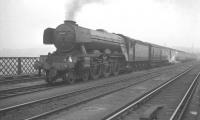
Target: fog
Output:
[(172, 23)]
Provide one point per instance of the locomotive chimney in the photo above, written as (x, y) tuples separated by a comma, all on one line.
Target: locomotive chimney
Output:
[(70, 22)]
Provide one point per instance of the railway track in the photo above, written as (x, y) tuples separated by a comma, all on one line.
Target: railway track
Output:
[(24, 90), (181, 108), (41, 87), (36, 88), (20, 80), (166, 102), (67, 100)]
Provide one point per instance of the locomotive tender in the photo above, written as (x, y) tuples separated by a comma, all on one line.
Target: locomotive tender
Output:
[(85, 54)]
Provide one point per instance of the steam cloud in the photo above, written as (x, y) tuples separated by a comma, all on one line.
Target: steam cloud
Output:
[(75, 6)]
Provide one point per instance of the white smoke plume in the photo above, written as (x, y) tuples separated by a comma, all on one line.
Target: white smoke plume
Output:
[(173, 58), (75, 6)]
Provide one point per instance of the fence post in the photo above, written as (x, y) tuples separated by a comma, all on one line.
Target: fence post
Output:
[(1, 67), (39, 72), (19, 66)]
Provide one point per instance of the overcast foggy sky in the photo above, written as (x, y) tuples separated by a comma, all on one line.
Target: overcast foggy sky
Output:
[(164, 22)]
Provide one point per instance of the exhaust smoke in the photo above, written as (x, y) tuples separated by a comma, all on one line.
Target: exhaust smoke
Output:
[(75, 6), (173, 58)]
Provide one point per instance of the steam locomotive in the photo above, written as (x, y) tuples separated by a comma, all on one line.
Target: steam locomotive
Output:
[(83, 54)]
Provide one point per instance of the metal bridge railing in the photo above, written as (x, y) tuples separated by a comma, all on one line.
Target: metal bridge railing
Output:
[(14, 66)]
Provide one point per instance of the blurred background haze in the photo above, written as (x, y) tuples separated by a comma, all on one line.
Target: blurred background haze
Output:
[(171, 23)]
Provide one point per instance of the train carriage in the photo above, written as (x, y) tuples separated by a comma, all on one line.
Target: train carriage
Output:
[(141, 51), (142, 55), (173, 54), (155, 55), (165, 55), (137, 52), (183, 56)]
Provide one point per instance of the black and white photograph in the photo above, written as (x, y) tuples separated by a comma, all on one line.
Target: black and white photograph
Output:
[(99, 59)]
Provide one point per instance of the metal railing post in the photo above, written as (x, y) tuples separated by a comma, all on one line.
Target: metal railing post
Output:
[(19, 66), (39, 72)]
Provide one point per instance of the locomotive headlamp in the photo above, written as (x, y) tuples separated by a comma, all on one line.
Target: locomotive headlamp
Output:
[(70, 59)]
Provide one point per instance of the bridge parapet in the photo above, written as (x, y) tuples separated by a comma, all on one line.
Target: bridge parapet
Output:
[(16, 66)]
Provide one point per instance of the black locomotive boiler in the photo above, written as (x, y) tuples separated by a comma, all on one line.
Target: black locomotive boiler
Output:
[(83, 54)]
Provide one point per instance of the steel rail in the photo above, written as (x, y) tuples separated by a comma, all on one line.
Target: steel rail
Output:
[(66, 94), (20, 80), (73, 92), (84, 101), (4, 94), (20, 92), (135, 103), (180, 109), (4, 110)]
